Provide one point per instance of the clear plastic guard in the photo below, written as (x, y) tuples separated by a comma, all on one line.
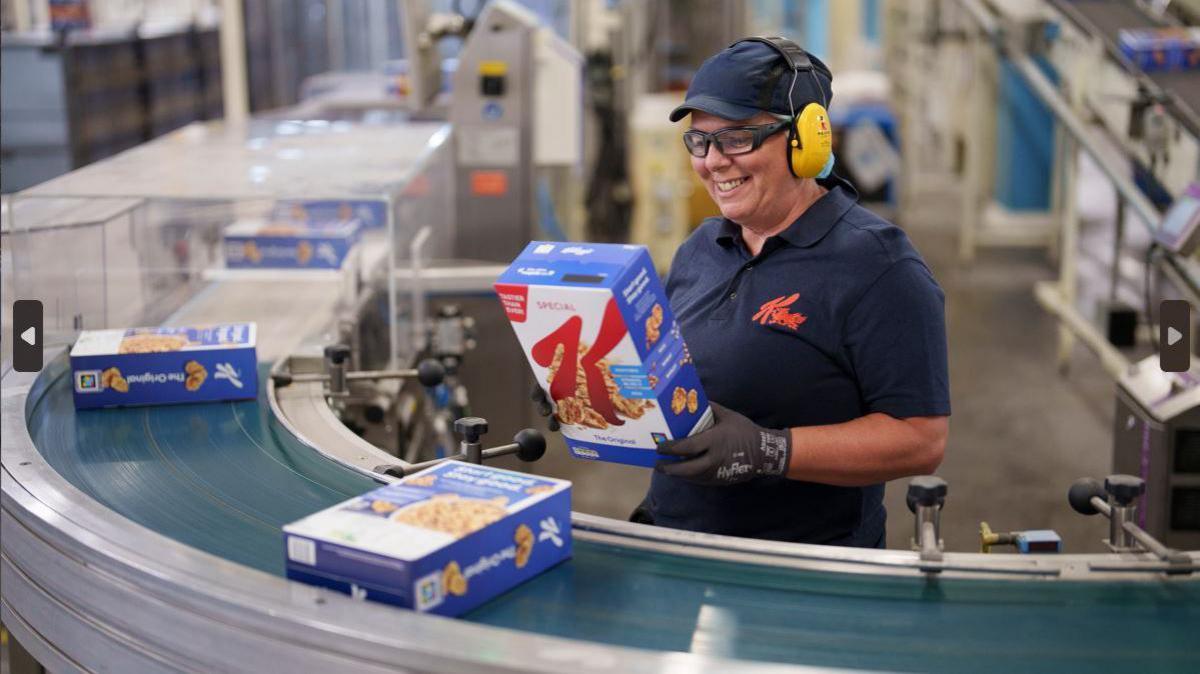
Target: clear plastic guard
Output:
[(147, 237)]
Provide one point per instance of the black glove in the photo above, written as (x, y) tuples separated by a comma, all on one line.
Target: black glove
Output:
[(543, 407), (734, 450)]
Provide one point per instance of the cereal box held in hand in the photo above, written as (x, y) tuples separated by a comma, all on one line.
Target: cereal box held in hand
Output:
[(595, 324), (152, 366), (443, 541)]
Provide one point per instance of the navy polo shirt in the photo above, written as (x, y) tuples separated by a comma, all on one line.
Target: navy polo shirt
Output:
[(836, 318)]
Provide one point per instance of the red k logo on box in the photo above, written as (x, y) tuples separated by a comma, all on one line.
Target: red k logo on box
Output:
[(612, 329)]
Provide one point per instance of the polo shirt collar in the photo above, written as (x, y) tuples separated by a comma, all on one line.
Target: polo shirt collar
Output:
[(813, 224)]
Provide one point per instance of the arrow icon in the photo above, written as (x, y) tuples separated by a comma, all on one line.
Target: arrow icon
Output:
[(1175, 335), (27, 335)]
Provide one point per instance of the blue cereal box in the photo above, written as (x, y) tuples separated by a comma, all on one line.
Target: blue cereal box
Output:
[(595, 324), (1161, 49), (256, 244), (153, 366), (442, 541), (371, 213)]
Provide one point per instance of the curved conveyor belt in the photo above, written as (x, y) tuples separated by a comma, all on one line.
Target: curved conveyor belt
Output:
[(224, 477)]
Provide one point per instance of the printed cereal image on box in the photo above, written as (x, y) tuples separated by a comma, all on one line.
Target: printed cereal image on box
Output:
[(1161, 49), (444, 540), (150, 366), (260, 244), (370, 213), (595, 324)]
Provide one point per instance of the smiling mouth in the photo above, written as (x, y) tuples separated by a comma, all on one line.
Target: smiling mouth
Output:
[(729, 185)]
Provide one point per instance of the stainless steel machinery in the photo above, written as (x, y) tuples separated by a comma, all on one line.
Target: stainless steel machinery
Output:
[(1157, 438)]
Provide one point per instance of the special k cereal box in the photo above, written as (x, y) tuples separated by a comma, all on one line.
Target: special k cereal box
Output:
[(594, 321), (443, 541), (151, 366)]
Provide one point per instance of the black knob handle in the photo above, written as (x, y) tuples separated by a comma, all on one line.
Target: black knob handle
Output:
[(430, 372), (337, 353), (532, 445), (1081, 493), (374, 412), (471, 428), (1124, 489), (926, 490)]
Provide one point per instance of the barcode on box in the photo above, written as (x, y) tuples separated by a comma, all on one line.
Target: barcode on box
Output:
[(302, 550)]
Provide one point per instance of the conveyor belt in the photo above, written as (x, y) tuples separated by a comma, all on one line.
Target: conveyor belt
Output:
[(1107, 18), (225, 477), (221, 477)]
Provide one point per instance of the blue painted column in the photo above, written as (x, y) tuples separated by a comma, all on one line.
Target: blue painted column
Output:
[(1024, 142)]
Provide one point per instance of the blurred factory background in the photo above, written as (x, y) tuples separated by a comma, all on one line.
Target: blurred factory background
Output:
[(1045, 164)]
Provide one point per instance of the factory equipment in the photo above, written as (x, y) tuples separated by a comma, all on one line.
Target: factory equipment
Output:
[(74, 98), (1026, 542), (673, 200), (337, 378), (925, 498), (164, 225), (1179, 231), (1117, 501), (451, 336), (1064, 58), (528, 445), (83, 554), (516, 105), (1157, 438)]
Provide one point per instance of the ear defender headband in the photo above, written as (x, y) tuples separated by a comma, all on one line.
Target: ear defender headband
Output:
[(810, 138)]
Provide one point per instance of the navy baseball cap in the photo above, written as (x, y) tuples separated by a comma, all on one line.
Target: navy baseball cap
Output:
[(747, 78)]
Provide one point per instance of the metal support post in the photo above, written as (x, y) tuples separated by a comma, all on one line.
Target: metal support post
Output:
[(972, 158), (233, 63), (926, 496), (471, 429), (1068, 257)]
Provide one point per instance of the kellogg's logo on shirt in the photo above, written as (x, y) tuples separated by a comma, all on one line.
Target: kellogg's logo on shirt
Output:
[(776, 312)]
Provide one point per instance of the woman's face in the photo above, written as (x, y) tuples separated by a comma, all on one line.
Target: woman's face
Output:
[(755, 189)]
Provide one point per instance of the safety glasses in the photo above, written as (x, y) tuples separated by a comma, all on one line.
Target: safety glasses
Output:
[(731, 140)]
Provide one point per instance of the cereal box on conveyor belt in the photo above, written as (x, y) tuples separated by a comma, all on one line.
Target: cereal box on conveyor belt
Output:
[(261, 244), (372, 213), (444, 540), (152, 366), (1161, 49), (595, 324)]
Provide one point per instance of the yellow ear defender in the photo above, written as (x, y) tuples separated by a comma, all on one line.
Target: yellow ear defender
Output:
[(810, 136), (810, 142)]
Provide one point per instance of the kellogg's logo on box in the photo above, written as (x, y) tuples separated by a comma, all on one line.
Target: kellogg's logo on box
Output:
[(595, 324)]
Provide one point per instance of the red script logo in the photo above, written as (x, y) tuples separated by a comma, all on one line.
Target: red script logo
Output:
[(776, 312)]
